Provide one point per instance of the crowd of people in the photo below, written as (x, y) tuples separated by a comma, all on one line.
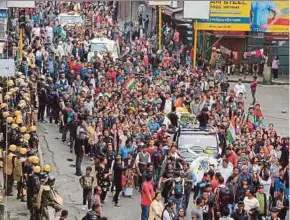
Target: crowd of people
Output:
[(120, 113)]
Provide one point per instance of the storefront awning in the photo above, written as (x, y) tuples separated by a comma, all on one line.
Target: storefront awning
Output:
[(170, 11), (236, 34)]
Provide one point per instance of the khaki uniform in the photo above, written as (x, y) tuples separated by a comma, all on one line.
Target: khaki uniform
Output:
[(18, 176), (9, 163), (18, 169)]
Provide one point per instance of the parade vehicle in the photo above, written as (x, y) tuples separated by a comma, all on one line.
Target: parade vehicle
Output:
[(71, 18), (198, 147), (103, 45), (192, 140)]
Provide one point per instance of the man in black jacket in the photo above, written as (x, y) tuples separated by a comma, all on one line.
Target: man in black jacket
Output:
[(240, 213), (42, 100), (72, 127)]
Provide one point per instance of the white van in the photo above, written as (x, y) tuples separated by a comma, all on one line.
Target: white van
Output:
[(70, 18), (103, 45)]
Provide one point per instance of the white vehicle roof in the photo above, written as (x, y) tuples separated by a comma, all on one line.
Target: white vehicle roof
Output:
[(102, 41), (70, 13), (70, 18)]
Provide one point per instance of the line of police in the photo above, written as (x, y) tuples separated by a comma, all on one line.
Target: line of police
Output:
[(19, 153)]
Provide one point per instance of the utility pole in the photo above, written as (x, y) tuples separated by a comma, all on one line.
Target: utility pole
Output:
[(22, 23), (195, 42), (159, 28)]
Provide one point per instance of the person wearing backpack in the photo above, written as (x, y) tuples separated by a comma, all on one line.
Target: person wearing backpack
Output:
[(177, 190), (223, 197)]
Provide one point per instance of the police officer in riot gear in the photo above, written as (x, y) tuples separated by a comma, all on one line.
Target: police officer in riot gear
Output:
[(33, 184)]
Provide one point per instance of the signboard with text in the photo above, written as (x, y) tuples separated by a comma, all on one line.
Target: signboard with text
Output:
[(227, 15), (255, 16), (158, 3)]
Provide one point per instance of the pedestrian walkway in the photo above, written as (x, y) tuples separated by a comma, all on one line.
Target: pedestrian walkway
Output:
[(15, 209), (282, 80)]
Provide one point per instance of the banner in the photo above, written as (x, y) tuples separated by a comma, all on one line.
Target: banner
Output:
[(3, 23), (7, 67), (270, 16), (20, 4), (158, 3), (255, 16), (196, 9), (227, 16)]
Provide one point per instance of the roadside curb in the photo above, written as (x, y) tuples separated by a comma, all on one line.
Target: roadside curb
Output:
[(260, 82)]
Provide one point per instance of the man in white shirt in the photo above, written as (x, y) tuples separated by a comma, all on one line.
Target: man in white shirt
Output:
[(251, 203), (240, 88), (204, 86), (68, 46), (168, 104), (49, 32), (226, 170), (87, 44), (36, 31)]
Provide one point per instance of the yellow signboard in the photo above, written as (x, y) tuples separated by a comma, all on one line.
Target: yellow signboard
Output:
[(255, 16), (159, 3), (227, 15)]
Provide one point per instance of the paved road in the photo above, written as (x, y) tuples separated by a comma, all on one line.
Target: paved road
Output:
[(272, 98)]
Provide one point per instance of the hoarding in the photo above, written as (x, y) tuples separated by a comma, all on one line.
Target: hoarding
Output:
[(158, 3), (255, 16), (227, 15), (269, 16), (3, 23), (196, 9), (7, 67), (20, 4)]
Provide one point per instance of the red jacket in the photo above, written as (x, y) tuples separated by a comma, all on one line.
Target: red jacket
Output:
[(111, 75)]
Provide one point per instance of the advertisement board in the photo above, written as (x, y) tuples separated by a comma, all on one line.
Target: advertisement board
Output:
[(196, 9), (20, 4), (255, 16), (227, 15), (3, 23), (269, 16), (7, 67), (158, 3)]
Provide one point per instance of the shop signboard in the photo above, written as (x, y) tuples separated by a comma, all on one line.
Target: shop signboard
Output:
[(158, 3), (7, 67), (277, 36), (270, 16), (196, 9), (254, 16), (20, 4), (227, 15)]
